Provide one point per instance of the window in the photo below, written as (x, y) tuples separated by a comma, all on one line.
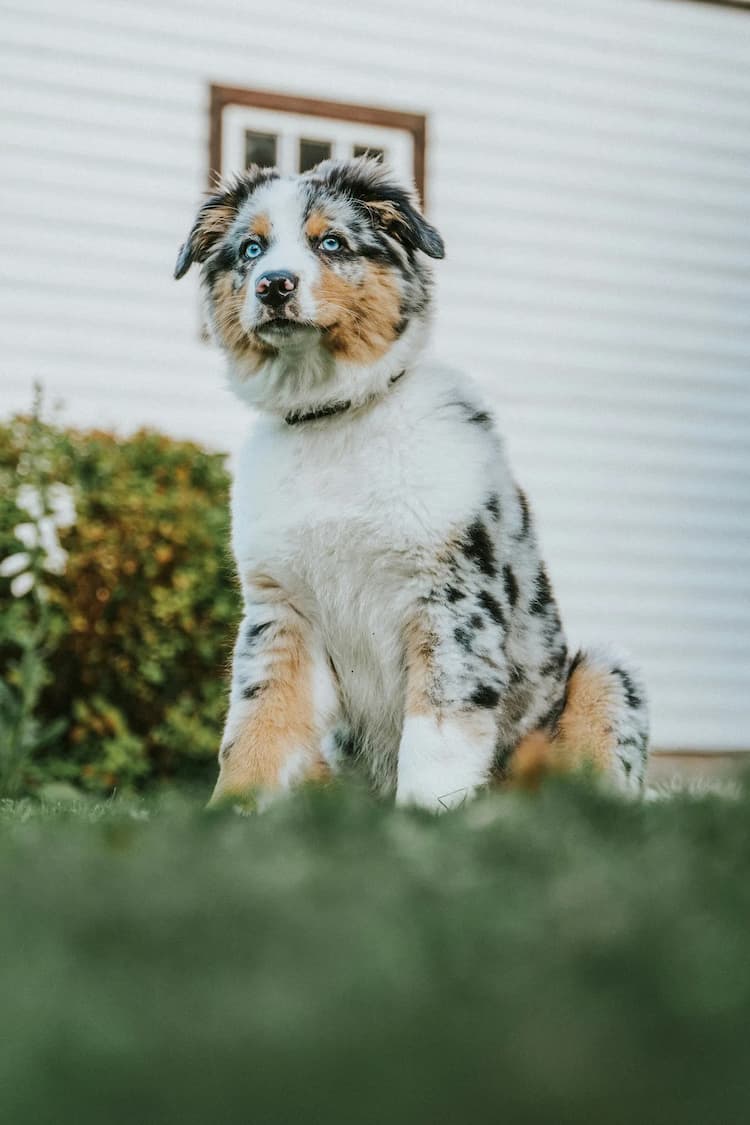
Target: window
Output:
[(365, 150), (312, 152), (260, 148), (295, 134)]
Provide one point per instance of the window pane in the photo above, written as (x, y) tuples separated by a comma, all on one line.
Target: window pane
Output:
[(260, 148), (312, 152), (368, 150)]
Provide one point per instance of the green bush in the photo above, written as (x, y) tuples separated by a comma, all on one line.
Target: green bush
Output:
[(143, 615)]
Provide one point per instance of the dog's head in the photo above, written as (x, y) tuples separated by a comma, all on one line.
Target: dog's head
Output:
[(316, 279)]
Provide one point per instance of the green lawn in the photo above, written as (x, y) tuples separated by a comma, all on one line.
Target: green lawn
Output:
[(559, 957)]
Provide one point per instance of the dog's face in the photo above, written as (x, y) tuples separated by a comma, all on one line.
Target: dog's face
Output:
[(329, 261)]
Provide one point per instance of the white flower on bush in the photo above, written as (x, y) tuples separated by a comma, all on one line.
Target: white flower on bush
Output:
[(49, 511), (60, 505), (16, 565)]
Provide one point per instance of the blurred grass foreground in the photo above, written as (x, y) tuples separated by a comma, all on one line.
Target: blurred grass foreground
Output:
[(559, 957)]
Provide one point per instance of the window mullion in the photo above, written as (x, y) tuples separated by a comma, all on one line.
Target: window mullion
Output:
[(288, 149)]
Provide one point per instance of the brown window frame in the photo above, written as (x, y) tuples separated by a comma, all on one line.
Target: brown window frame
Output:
[(743, 5), (222, 96)]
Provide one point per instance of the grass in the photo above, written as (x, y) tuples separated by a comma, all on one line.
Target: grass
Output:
[(559, 957)]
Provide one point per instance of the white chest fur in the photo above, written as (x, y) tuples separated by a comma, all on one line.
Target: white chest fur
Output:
[(346, 515)]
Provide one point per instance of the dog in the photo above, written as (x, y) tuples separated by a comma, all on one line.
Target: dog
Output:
[(397, 612)]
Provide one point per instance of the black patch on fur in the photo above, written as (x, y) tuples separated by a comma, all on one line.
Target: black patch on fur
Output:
[(511, 586), (639, 744), (453, 594), (543, 593), (552, 626), (255, 630), (477, 546), (525, 514), (555, 663), (346, 743), (636, 743), (224, 260), (626, 766), (476, 621), (376, 248), (373, 243), (252, 690), (550, 719), (485, 696), (632, 696), (493, 506), (493, 607), (464, 638), (227, 750), (472, 415)]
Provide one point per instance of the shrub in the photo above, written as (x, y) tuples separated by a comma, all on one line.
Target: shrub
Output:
[(143, 614)]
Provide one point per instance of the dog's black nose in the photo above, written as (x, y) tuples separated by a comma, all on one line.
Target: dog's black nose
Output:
[(275, 287)]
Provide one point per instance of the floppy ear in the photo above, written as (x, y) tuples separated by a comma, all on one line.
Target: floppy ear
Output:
[(217, 215), (403, 221), (212, 221), (391, 206)]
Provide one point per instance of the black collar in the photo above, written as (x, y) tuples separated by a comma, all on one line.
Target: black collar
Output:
[(328, 411)]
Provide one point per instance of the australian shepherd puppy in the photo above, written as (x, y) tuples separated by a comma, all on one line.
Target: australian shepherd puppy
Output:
[(397, 611)]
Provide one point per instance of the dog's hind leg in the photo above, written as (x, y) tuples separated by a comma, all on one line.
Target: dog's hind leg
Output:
[(284, 698), (603, 725)]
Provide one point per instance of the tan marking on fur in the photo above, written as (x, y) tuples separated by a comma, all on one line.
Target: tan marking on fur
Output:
[(317, 225), (585, 726), (214, 223), (583, 737), (418, 655), (228, 303), (478, 724), (281, 723), (386, 212), (361, 317), (265, 585), (260, 226), (532, 759)]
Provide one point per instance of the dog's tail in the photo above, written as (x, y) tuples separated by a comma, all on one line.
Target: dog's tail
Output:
[(602, 724)]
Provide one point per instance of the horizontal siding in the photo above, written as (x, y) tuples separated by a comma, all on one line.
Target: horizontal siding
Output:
[(589, 167)]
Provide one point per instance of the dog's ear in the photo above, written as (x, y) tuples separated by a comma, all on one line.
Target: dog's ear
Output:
[(390, 206), (216, 216), (212, 221)]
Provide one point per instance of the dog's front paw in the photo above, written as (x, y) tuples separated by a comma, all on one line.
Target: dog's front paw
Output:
[(440, 766), (422, 797)]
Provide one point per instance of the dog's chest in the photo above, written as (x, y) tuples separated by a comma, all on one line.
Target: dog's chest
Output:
[(357, 501), (358, 589), (348, 519)]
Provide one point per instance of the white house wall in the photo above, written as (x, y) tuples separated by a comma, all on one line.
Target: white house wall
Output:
[(588, 163)]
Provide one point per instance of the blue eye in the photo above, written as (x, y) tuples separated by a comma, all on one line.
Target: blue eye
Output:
[(252, 250), (330, 243)]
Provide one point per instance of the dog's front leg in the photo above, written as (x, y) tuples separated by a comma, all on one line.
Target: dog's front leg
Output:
[(449, 735), (283, 700)]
